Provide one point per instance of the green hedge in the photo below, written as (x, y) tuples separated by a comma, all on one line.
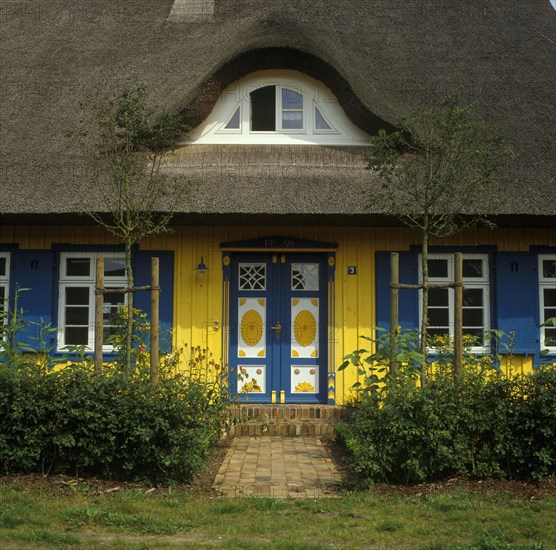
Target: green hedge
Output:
[(109, 425), (499, 427)]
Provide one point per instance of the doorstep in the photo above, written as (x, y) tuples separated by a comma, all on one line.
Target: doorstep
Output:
[(286, 420)]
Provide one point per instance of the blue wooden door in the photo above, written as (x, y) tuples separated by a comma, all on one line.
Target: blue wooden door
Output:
[(278, 317)]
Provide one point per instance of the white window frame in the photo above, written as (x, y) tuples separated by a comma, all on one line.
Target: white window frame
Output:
[(316, 130), (315, 94), (482, 282), (5, 284), (280, 109), (89, 281), (545, 283)]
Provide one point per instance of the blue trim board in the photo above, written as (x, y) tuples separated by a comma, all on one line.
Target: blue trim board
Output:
[(277, 243)]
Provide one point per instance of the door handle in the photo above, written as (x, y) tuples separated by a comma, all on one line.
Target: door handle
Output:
[(277, 328)]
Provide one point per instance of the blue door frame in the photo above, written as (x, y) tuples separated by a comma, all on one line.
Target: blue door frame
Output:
[(278, 317)]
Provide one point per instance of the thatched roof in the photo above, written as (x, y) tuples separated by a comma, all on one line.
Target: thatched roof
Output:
[(378, 57)]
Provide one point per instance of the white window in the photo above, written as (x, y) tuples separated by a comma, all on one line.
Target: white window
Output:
[(275, 108), (76, 313), (547, 290), (476, 297), (278, 107), (4, 283)]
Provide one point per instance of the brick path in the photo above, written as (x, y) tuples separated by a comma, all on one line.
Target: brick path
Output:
[(280, 467)]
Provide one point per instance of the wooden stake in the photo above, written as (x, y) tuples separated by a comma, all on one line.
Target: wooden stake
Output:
[(155, 307), (394, 303), (99, 314), (458, 321)]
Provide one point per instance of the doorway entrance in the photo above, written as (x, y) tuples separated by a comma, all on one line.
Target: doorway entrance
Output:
[(278, 322)]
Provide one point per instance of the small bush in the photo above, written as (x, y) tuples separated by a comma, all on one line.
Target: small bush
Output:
[(116, 424), (112, 425), (498, 426)]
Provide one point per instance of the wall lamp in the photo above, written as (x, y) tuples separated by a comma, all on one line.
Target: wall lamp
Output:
[(202, 267), (201, 271)]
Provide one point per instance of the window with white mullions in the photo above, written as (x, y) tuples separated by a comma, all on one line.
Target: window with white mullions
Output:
[(292, 110), (252, 276), (77, 297), (277, 107), (440, 311), (547, 299), (234, 122), (263, 109)]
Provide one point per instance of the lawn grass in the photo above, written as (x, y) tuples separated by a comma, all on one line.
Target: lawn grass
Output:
[(45, 518)]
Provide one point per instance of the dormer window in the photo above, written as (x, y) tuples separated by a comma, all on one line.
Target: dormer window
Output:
[(233, 123), (278, 107), (292, 109), (275, 108)]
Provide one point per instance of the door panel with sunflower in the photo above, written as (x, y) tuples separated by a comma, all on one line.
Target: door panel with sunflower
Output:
[(278, 312)]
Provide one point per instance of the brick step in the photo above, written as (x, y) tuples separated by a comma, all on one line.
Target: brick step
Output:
[(290, 420)]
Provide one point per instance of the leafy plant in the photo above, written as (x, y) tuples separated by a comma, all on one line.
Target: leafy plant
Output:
[(25, 343), (499, 426), (373, 365), (114, 424), (76, 421)]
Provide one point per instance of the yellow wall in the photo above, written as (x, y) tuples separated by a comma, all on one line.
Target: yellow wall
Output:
[(518, 364), (198, 303)]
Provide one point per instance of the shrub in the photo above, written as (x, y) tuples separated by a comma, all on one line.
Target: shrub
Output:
[(112, 425), (497, 426)]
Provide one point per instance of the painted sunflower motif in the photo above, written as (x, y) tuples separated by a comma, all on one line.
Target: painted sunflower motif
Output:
[(305, 387), (251, 387), (305, 328), (252, 327)]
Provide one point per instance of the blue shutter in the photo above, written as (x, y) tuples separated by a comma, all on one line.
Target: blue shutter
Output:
[(33, 270), (142, 300), (408, 299), (517, 299)]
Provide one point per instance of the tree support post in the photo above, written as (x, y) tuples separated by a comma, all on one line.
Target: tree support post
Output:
[(99, 314), (394, 303), (155, 308), (458, 322)]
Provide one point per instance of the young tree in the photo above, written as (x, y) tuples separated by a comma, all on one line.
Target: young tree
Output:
[(439, 174), (130, 139)]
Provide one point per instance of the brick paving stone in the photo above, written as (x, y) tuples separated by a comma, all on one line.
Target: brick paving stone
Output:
[(277, 467)]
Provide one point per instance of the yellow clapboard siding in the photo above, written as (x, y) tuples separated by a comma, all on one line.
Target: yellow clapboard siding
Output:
[(517, 364), (198, 303)]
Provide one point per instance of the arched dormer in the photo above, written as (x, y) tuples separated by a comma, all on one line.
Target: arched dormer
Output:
[(277, 107)]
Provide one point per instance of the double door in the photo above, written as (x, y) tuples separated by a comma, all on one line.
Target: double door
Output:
[(278, 317)]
